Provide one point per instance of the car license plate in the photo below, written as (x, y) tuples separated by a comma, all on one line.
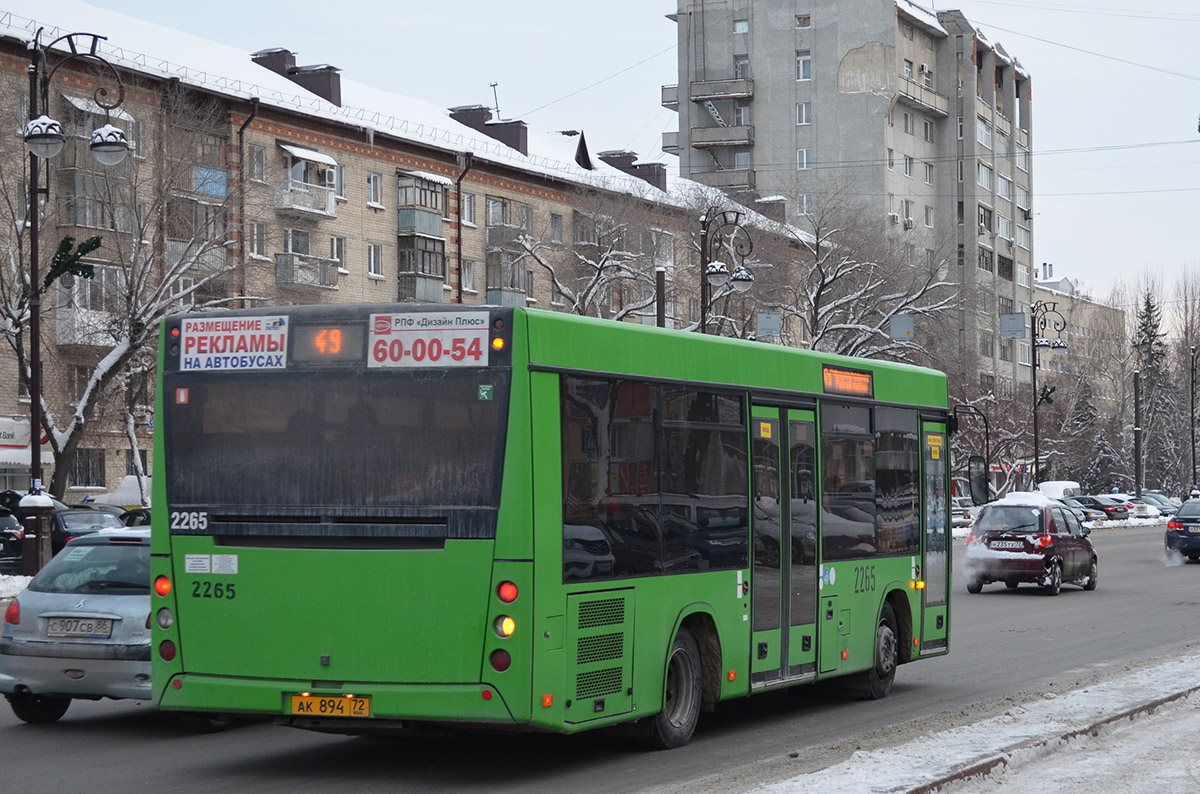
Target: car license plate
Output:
[(99, 628), (1194, 528), (331, 706), (1007, 544)]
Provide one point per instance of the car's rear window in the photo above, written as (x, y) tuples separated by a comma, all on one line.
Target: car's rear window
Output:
[(1189, 508), (114, 568), (1009, 519)]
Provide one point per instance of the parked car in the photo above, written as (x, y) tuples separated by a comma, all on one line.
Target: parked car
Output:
[(11, 500), (1028, 538), (114, 509), (77, 522), (1138, 508), (90, 606), (1183, 530), (1081, 510), (1113, 510), (11, 536), (1165, 506), (138, 517), (1172, 499), (962, 511)]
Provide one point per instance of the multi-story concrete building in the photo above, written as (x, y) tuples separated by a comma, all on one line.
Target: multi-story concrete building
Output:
[(914, 113)]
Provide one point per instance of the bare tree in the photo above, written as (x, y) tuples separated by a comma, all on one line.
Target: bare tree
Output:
[(163, 218)]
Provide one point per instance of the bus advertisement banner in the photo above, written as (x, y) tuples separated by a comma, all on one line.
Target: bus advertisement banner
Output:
[(233, 343), (429, 339)]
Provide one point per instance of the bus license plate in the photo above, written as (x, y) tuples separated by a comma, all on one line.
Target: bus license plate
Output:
[(326, 706), (79, 627)]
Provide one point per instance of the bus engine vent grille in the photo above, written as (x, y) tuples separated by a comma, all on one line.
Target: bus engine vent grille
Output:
[(607, 612), (601, 648), (598, 683)]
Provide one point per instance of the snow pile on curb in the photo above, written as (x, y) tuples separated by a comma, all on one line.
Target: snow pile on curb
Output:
[(10, 586), (1020, 736)]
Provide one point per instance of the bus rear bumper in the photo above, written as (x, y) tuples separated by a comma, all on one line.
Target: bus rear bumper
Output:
[(394, 704)]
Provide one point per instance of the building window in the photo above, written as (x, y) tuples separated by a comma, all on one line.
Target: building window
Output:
[(414, 191), (466, 205), (741, 26), (1023, 200), (467, 276), (256, 163), (908, 69), (908, 166), (556, 228), (1023, 239), (985, 177), (339, 181), (1002, 144), (130, 469), (741, 67), (960, 128), (502, 212), (1004, 268), (741, 114), (375, 260), (928, 216), (908, 32), (87, 469), (983, 132), (804, 113), (1004, 187), (985, 219), (1023, 158), (1023, 353), (908, 122), (804, 64), (906, 209), (987, 260), (258, 239), (375, 189), (987, 341), (928, 127), (1004, 305), (803, 20), (891, 159), (661, 245), (804, 204), (1023, 275), (1004, 227), (103, 292), (803, 159), (297, 241), (77, 381), (741, 160), (337, 250), (1006, 350), (929, 173), (422, 255)]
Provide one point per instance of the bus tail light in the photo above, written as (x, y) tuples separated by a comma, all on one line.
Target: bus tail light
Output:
[(507, 591), (166, 651), (501, 660), (13, 613), (505, 626), (162, 586)]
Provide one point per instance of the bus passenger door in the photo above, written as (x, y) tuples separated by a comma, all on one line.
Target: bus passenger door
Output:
[(783, 577), (935, 623)]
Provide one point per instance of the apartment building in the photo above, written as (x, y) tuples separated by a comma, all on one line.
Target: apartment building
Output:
[(916, 113), (256, 179)]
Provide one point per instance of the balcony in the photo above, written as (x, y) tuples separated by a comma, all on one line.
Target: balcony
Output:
[(670, 97), (306, 271), (733, 179), (739, 135), (703, 90), (505, 237), (304, 199), (206, 257), (416, 220), (78, 326), (422, 287), (922, 98), (670, 142)]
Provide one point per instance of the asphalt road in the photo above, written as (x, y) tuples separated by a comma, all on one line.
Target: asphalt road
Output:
[(1006, 646)]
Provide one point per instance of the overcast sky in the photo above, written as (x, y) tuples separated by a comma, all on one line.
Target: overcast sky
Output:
[(1116, 92)]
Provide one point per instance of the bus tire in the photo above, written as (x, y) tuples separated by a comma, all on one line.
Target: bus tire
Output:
[(205, 722), (879, 679), (673, 726), (38, 709)]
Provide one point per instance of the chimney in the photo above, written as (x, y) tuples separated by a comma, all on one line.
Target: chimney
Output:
[(320, 79), (773, 207), (623, 160), (513, 134)]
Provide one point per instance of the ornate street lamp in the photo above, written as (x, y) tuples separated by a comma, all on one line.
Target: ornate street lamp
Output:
[(722, 229), (44, 138), (1043, 315)]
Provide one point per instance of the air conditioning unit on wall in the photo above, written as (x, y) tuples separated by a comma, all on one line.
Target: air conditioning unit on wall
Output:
[(893, 217), (908, 223)]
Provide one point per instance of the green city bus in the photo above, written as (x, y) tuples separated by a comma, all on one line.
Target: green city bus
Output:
[(370, 517)]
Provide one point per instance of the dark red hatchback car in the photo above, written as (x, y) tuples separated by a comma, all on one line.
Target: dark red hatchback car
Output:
[(1026, 538)]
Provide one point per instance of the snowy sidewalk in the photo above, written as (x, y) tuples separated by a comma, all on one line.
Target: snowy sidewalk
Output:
[(1133, 733)]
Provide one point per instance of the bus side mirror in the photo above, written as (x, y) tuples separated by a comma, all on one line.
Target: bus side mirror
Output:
[(977, 478)]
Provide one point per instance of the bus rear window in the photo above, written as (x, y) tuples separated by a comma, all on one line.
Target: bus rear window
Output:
[(336, 439)]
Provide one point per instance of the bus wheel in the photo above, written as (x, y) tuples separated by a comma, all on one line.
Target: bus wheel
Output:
[(205, 722), (38, 709), (674, 725), (879, 679)]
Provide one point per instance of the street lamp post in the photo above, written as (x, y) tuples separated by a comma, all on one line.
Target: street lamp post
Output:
[(722, 229), (45, 139), (1042, 316), (1192, 419)]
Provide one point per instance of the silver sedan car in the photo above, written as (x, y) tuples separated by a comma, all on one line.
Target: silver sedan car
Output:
[(81, 628)]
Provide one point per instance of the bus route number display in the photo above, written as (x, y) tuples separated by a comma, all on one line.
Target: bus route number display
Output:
[(428, 339)]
